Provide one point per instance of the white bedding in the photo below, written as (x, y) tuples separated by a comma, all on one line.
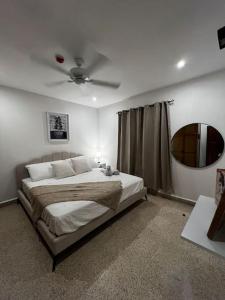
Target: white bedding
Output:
[(65, 217)]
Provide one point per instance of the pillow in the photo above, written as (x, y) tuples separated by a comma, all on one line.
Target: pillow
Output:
[(62, 169), (92, 163), (90, 160), (81, 165), (40, 171), (69, 161)]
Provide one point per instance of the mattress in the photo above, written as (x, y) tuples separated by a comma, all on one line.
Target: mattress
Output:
[(67, 217)]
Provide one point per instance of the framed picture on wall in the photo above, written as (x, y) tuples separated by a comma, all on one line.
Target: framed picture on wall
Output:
[(220, 184), (58, 127)]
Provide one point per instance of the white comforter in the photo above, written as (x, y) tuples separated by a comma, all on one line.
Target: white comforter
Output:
[(65, 217)]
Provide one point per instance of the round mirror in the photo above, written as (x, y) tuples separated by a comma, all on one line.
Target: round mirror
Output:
[(197, 145)]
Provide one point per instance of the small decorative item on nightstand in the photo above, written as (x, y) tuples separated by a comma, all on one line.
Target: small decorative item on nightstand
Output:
[(102, 165), (98, 157)]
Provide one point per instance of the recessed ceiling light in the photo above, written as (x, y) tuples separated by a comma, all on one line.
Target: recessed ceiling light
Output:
[(94, 99), (181, 64)]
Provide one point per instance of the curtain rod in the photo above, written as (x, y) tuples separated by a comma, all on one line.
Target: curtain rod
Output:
[(170, 102)]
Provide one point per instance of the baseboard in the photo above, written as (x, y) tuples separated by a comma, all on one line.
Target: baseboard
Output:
[(177, 198), (7, 202)]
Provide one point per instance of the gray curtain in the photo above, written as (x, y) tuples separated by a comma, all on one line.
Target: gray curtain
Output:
[(130, 141), (144, 145)]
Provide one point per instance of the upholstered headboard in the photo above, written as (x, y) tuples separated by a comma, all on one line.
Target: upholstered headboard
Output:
[(21, 171)]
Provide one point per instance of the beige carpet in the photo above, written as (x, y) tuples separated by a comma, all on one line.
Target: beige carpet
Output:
[(138, 256)]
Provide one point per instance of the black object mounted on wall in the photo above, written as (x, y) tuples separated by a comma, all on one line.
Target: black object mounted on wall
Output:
[(221, 37)]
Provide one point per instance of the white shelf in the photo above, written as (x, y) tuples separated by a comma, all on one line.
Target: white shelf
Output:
[(198, 224)]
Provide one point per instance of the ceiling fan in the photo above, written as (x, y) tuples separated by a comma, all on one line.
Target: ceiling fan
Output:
[(80, 75)]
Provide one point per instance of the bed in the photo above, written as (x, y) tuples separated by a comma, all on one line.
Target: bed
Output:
[(63, 224)]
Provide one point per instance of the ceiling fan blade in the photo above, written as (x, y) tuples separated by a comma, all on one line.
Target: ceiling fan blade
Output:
[(50, 64), (56, 83), (112, 85), (97, 64)]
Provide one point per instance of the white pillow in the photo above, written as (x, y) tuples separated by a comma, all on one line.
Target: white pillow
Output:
[(69, 161), (81, 165), (90, 160), (62, 169), (40, 171), (92, 163)]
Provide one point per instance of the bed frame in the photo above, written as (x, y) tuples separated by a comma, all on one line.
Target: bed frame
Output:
[(60, 246)]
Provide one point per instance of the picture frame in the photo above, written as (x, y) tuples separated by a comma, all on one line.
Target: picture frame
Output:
[(220, 185), (58, 127)]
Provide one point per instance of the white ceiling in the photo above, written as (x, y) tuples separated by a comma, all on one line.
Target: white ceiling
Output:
[(143, 40)]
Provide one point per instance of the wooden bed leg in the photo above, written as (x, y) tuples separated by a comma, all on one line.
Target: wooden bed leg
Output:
[(146, 197), (53, 264)]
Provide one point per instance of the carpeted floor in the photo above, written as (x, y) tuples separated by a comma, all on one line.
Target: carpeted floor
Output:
[(138, 256)]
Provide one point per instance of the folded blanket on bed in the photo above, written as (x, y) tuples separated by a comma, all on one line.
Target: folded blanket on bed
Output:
[(104, 193)]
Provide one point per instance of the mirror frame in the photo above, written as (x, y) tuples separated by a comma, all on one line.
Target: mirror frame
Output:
[(199, 167)]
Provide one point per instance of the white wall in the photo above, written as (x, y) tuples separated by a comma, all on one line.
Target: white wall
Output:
[(199, 100), (23, 134)]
